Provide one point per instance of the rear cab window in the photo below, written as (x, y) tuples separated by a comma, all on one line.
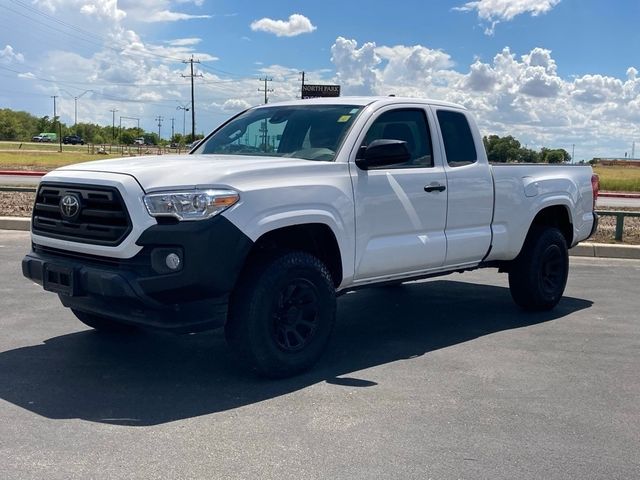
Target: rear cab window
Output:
[(458, 140)]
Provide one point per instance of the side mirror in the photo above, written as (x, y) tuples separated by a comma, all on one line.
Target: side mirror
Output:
[(382, 153)]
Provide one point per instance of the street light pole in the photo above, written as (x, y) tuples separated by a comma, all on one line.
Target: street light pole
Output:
[(75, 109), (129, 118), (184, 109)]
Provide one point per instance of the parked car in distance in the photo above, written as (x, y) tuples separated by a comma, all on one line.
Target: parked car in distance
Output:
[(139, 141), (72, 139), (44, 137)]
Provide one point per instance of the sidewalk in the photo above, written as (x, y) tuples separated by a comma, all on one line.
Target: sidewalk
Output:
[(585, 249)]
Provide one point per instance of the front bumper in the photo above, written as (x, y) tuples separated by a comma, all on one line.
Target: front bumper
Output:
[(132, 291)]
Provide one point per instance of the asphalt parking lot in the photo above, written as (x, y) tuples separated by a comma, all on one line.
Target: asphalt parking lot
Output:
[(443, 379)]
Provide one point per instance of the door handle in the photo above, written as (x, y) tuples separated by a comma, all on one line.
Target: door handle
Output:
[(435, 187)]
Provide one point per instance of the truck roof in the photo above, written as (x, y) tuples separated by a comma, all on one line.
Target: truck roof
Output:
[(364, 101)]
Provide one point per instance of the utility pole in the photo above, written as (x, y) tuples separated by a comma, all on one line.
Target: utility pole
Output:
[(159, 119), (54, 121), (266, 90), (264, 128), (172, 131), (54, 108), (302, 87), (633, 150), (113, 125), (193, 104), (573, 152)]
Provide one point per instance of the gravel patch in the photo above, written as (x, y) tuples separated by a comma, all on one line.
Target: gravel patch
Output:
[(16, 204)]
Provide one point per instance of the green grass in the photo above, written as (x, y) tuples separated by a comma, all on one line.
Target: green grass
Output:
[(45, 160), (618, 178), (45, 147)]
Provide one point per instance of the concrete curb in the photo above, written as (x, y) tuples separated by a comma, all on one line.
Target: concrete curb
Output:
[(23, 173), (606, 250), (585, 249), (618, 195), (15, 223)]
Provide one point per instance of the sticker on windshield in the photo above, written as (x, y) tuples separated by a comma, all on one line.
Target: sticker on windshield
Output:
[(344, 118)]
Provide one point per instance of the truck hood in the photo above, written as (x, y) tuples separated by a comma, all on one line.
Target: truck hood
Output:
[(166, 172)]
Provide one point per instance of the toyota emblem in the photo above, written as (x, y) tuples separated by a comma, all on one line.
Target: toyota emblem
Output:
[(70, 207)]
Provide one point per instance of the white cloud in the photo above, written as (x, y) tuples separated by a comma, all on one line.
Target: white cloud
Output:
[(356, 68), (8, 55), (169, 16), (235, 105), (511, 95), (184, 42), (597, 89), (105, 9), (496, 11), (296, 24), (481, 78)]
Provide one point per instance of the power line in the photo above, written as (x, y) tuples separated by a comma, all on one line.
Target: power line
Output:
[(266, 89), (82, 35)]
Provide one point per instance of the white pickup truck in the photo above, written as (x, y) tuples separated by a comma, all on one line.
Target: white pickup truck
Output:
[(287, 205)]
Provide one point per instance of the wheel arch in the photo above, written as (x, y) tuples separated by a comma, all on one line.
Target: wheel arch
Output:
[(555, 216), (317, 239)]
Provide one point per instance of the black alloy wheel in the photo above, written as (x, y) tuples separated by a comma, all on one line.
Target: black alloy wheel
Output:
[(295, 315)]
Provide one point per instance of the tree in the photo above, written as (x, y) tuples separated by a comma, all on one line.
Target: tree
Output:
[(527, 155), (558, 155), (501, 149), (45, 124)]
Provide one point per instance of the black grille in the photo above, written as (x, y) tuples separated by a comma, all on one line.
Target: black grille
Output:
[(103, 218)]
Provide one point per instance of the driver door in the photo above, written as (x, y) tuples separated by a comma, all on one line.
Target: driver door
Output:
[(401, 209)]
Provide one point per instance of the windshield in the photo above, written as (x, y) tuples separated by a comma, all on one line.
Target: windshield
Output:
[(310, 132)]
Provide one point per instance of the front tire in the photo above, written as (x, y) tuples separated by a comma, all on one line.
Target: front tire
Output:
[(282, 314), (102, 324), (538, 276)]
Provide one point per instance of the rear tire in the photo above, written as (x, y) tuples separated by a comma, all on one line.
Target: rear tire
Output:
[(538, 275), (282, 314), (103, 324)]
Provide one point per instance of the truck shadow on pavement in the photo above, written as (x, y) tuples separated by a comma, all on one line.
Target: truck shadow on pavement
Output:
[(153, 378)]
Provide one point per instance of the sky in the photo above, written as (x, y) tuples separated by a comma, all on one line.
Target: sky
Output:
[(553, 73)]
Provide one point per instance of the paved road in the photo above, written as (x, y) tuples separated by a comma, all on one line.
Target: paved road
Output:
[(19, 180), (442, 379), (618, 202)]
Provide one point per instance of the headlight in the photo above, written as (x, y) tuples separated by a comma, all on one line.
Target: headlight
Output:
[(190, 205)]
